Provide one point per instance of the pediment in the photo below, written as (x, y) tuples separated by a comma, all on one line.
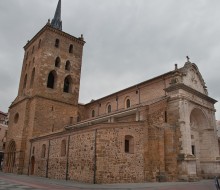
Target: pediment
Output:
[(193, 78)]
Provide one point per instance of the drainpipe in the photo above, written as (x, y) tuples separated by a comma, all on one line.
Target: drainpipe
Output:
[(67, 158), (48, 153), (29, 159), (94, 176)]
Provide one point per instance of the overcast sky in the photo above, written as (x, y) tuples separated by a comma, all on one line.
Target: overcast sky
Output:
[(127, 41)]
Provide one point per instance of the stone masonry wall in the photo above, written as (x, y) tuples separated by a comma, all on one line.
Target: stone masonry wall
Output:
[(81, 156), (113, 163), (40, 167), (57, 162)]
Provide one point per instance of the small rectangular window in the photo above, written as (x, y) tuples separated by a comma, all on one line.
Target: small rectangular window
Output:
[(126, 145), (165, 116), (193, 149), (57, 42)]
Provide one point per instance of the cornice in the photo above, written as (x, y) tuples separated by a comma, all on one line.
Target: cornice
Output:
[(48, 26), (190, 90)]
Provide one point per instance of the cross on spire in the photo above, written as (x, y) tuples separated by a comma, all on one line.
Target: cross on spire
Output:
[(56, 22), (187, 57)]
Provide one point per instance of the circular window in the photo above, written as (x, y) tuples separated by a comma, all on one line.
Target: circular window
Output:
[(16, 118)]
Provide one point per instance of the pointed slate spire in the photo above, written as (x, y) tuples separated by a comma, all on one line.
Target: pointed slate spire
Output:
[(56, 22)]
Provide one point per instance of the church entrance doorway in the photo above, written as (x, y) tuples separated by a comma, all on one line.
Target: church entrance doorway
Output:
[(32, 165), (199, 145), (10, 163)]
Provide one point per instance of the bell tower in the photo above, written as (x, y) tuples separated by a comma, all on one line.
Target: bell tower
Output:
[(48, 92)]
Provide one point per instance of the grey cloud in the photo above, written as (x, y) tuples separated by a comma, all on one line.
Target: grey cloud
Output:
[(127, 41)]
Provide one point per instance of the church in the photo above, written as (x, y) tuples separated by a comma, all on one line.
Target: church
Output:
[(162, 129)]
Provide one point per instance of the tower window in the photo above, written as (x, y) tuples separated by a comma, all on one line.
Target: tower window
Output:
[(129, 144), (67, 84), (43, 151), (63, 148), (25, 81), (32, 77), (51, 79), (71, 49), (57, 43), (57, 62), (67, 66), (93, 113)]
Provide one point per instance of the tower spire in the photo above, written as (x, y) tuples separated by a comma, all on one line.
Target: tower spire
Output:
[(56, 22)]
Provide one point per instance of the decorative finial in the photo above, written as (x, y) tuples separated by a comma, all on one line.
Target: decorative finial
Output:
[(187, 57), (56, 22)]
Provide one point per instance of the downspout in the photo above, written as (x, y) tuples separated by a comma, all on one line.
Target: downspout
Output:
[(94, 176), (48, 153), (67, 158), (29, 159)]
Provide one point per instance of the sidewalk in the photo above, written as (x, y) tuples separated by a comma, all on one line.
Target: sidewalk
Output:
[(45, 183)]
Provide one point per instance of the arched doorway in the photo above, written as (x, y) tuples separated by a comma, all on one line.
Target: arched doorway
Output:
[(199, 142), (32, 165), (10, 163)]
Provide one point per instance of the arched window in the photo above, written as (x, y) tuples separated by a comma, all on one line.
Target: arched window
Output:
[(67, 66), (25, 81), (93, 113), (63, 148), (43, 151), (71, 49), (39, 43), (109, 108), (129, 144), (32, 77), (67, 84), (128, 103), (51, 79), (57, 43), (57, 62)]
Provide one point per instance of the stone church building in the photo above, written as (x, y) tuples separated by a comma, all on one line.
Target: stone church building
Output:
[(162, 129)]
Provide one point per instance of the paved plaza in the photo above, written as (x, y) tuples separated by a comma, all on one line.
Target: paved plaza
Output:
[(23, 182)]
